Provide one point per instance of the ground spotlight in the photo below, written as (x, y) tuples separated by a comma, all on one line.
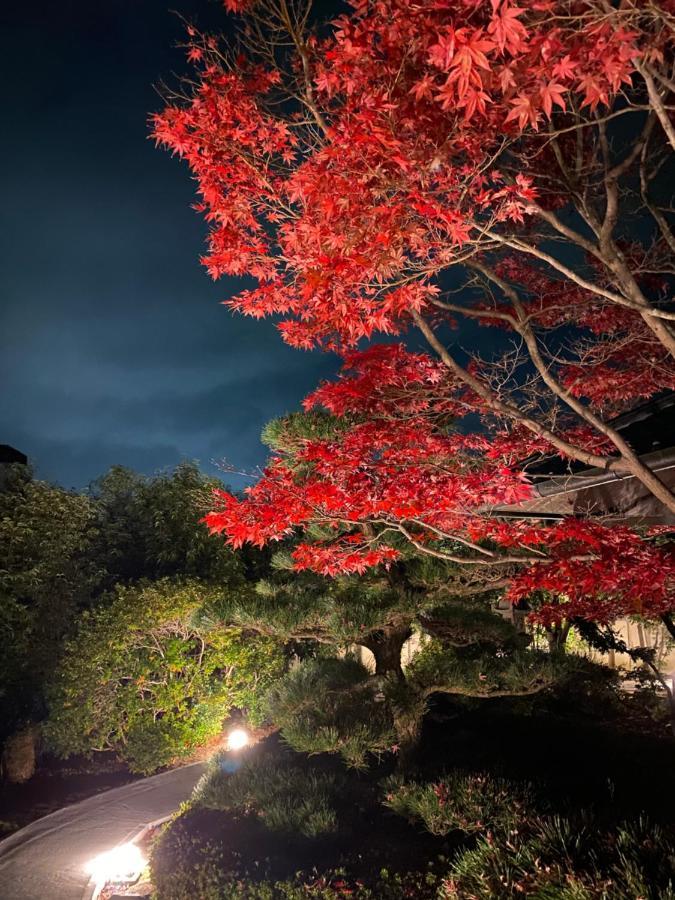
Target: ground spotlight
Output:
[(123, 863), (237, 739)]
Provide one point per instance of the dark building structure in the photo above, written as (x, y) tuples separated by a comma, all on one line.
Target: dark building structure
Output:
[(567, 489)]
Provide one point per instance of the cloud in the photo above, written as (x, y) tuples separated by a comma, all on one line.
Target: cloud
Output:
[(114, 347)]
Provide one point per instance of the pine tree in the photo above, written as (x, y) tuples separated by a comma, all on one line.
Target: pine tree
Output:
[(331, 701)]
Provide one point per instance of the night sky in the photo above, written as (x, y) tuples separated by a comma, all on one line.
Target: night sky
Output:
[(113, 345)]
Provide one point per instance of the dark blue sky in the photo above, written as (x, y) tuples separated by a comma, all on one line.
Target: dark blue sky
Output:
[(114, 348)]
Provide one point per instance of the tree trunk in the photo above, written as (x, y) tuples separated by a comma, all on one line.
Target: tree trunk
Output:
[(386, 646), (408, 726), (667, 620), (557, 636), (19, 754)]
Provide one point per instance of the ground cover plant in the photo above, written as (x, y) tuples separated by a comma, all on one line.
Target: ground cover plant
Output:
[(245, 834), (460, 801), (454, 832), (570, 860)]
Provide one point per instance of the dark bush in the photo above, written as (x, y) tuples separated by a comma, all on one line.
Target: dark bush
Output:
[(330, 705)]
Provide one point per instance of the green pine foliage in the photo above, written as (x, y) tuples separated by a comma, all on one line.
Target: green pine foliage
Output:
[(332, 705), (468, 650), (302, 606), (485, 670), (288, 434), (462, 623)]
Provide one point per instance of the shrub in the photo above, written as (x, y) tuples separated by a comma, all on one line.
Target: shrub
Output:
[(47, 574), (468, 802), (141, 678), (561, 860), (281, 794)]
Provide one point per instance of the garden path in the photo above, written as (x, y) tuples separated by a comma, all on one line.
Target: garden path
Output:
[(47, 860)]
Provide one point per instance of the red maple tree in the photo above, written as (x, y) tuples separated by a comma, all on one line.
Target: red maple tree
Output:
[(424, 166), (377, 468)]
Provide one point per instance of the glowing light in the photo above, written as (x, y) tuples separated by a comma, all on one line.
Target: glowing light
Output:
[(123, 863), (238, 739)]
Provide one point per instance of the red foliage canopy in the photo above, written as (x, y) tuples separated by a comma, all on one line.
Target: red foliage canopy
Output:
[(347, 176), (397, 174), (392, 474)]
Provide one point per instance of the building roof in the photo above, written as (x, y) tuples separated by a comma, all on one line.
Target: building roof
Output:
[(564, 488), (648, 428)]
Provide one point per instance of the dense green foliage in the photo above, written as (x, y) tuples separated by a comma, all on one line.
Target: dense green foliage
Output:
[(101, 596), (141, 679), (48, 572), (282, 794), (149, 527)]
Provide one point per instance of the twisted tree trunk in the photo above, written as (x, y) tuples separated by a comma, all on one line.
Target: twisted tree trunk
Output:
[(386, 645)]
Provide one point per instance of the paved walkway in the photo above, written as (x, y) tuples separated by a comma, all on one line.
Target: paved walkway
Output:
[(47, 859)]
